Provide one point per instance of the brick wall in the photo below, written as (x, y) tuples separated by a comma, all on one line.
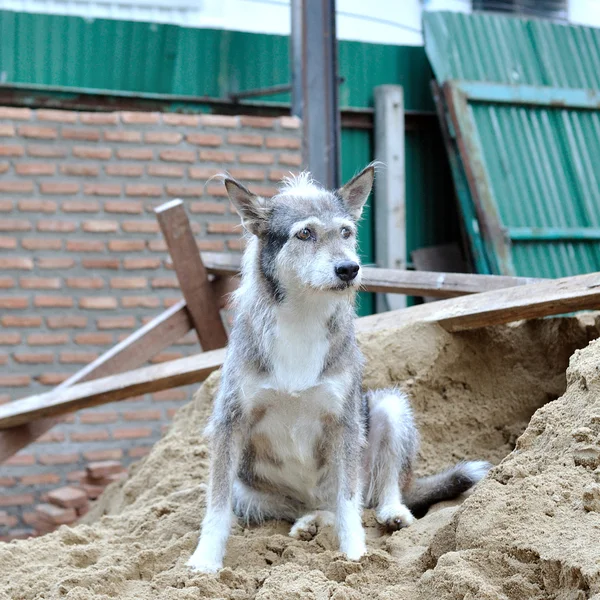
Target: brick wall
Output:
[(82, 262)]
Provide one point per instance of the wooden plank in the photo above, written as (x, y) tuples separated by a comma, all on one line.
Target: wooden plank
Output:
[(175, 373), (192, 275), (132, 352), (541, 299)]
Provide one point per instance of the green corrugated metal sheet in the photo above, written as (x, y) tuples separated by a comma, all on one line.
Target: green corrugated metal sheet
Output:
[(533, 156)]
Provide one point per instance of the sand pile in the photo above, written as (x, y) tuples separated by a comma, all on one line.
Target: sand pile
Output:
[(531, 530)]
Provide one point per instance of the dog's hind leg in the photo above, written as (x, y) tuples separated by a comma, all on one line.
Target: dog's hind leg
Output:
[(305, 528), (391, 449)]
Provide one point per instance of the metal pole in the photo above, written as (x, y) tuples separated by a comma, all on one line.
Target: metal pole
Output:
[(315, 87)]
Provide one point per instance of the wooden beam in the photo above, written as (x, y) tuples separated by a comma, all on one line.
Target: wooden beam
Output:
[(541, 299), (132, 352), (175, 373), (192, 275)]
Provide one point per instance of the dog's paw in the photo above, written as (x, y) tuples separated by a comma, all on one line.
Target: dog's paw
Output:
[(306, 527), (395, 517), (203, 564), (355, 550)]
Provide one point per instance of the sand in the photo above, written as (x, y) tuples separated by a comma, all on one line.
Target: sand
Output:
[(529, 530)]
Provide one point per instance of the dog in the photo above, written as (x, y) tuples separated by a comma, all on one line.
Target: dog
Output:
[(292, 435)]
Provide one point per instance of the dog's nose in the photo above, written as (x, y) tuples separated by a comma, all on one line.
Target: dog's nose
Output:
[(347, 270)]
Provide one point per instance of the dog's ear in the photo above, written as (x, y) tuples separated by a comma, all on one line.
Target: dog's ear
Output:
[(251, 208), (357, 190)]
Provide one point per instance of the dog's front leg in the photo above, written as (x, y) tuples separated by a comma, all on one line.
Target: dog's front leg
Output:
[(208, 556), (349, 527)]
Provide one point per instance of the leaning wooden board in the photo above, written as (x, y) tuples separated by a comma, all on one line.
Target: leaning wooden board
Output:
[(457, 314)]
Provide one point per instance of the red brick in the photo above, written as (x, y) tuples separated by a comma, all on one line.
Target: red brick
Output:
[(98, 302), (15, 225), (66, 322), (82, 134), (218, 156), (14, 302), (257, 158), (79, 358), (68, 497), (98, 417), (11, 338), (99, 435), (140, 302), (35, 131), (61, 188), (14, 381), (264, 190), (56, 515), (130, 433), (142, 415), (165, 171), (33, 358), (141, 263), (100, 263), (219, 121), (290, 122), (216, 190), (6, 482), (20, 460), (6, 205), (7, 131), (203, 172), (145, 190), (51, 378), (139, 452), (258, 122), (56, 116), (178, 156), (204, 139), (21, 321), (100, 226), (7, 283), (207, 208), (53, 301), (4, 167), (7, 243), (245, 139), (294, 160), (171, 412), (15, 114), (16, 187), (125, 245), (92, 153), (102, 189), (163, 137), (224, 228), (83, 170), (93, 339), (251, 174), (141, 118), (99, 118), (157, 245), (77, 206), (76, 476), (41, 479), (279, 174), (47, 151), (35, 169), (236, 245), (177, 120), (55, 263), (57, 226), (47, 339), (40, 283), (123, 136), (124, 170), (103, 468), (135, 154), (85, 283), (115, 322), (85, 246), (128, 283), (93, 491), (140, 226), (52, 437), (16, 499), (11, 150), (165, 282), (285, 143), (34, 205)]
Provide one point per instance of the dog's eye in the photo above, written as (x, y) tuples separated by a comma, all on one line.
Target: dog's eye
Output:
[(346, 232), (304, 234)]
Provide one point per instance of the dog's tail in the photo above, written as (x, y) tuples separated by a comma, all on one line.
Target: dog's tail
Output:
[(448, 484)]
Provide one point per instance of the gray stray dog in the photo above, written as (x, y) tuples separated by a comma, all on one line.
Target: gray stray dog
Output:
[(292, 435)]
